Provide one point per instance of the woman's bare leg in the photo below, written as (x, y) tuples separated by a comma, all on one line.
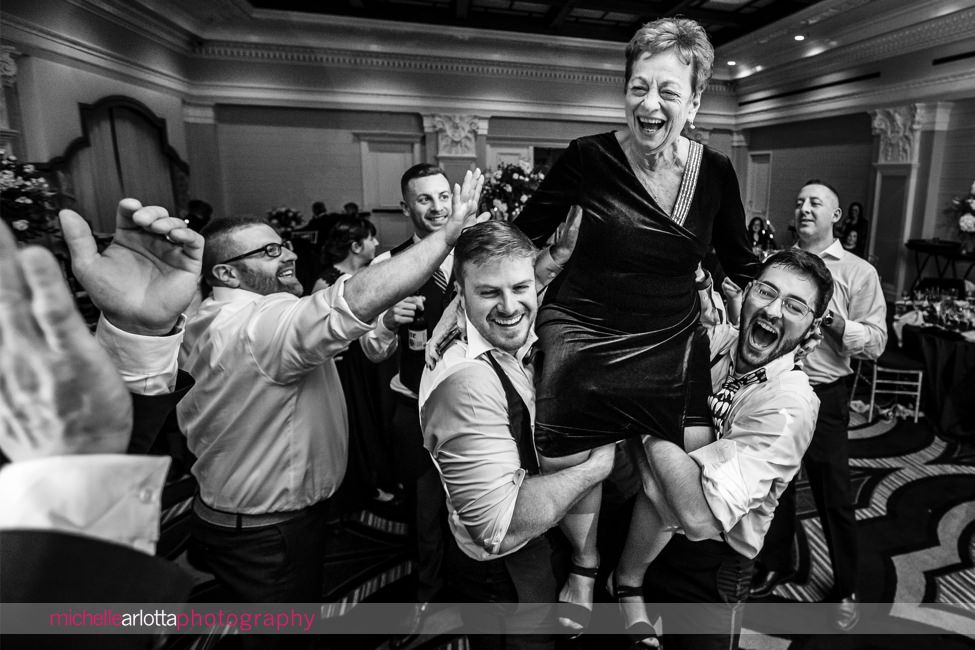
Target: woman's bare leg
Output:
[(579, 527)]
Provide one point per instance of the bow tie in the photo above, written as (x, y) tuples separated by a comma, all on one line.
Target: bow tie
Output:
[(720, 401)]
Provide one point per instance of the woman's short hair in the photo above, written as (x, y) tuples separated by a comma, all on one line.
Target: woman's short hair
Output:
[(347, 230), (684, 36)]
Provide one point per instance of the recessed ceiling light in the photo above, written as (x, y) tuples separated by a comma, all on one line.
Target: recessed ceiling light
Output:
[(732, 63), (799, 37)]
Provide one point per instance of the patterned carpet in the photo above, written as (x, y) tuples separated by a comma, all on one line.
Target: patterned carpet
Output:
[(915, 507)]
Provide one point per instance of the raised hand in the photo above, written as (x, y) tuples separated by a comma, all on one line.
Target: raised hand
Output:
[(464, 205), (566, 236), (59, 392), (148, 275)]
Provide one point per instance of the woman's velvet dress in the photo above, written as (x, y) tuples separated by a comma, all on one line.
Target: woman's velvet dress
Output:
[(622, 352)]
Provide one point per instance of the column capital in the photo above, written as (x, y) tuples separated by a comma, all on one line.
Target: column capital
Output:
[(897, 127)]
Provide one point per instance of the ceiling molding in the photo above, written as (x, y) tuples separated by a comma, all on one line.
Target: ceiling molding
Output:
[(40, 41), (147, 23), (938, 31), (239, 51), (929, 89)]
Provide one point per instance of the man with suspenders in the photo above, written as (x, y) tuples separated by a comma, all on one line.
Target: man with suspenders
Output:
[(477, 409)]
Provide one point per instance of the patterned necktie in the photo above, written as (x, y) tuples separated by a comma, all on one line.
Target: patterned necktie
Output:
[(441, 280), (720, 400)]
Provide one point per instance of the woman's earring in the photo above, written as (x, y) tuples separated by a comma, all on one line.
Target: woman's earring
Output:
[(690, 125)]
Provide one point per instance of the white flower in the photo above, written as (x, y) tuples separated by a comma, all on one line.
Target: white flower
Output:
[(524, 198), (20, 224), (525, 166), (28, 169), (966, 223), (24, 200), (506, 187)]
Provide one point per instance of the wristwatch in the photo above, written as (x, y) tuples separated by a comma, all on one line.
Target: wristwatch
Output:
[(828, 318)]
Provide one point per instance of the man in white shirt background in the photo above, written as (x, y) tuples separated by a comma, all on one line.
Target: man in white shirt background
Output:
[(855, 325), (266, 419)]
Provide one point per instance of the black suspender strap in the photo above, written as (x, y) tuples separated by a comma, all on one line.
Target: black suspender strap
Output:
[(519, 420)]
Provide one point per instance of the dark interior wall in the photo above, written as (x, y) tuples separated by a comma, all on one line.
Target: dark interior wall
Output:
[(837, 150)]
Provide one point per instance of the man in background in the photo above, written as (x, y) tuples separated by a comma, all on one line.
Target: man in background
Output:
[(854, 325)]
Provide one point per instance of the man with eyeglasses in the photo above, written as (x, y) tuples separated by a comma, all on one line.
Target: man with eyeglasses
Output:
[(267, 418), (722, 495), (855, 325)]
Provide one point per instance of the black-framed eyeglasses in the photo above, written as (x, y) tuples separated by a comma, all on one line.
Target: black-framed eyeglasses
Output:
[(271, 250), (765, 294)]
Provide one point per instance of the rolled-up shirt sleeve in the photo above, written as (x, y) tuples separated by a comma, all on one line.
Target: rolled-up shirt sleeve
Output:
[(865, 331), (466, 421), (764, 445), (300, 334)]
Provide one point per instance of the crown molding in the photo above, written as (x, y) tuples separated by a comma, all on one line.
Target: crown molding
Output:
[(937, 31), (140, 20), (434, 64), (929, 89), (296, 97), (36, 40)]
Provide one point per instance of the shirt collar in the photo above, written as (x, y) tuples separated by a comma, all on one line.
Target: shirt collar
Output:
[(478, 345), (773, 368), (229, 294), (834, 250)]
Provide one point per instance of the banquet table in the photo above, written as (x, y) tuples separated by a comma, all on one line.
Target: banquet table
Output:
[(949, 378), (945, 254)]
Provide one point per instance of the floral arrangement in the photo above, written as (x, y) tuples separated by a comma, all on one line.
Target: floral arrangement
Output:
[(27, 202), (507, 190), (284, 219), (962, 208)]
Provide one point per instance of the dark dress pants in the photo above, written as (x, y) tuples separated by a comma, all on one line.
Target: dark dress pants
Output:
[(425, 499), (508, 599), (280, 563), (827, 464), (704, 585)]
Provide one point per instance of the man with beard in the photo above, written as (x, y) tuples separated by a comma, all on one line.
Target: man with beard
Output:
[(855, 325), (723, 495), (267, 418), (477, 409)]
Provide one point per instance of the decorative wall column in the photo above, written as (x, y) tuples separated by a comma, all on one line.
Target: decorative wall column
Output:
[(203, 156), (895, 187), (739, 159), (9, 108), (455, 138)]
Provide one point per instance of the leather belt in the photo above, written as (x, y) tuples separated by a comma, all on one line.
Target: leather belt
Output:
[(238, 520)]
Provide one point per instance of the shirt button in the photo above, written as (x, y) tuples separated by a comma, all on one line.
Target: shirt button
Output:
[(145, 495)]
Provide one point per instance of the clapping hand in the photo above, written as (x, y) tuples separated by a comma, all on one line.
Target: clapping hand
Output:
[(59, 392), (464, 205), (149, 273)]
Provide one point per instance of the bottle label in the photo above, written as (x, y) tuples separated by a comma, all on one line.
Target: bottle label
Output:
[(417, 339)]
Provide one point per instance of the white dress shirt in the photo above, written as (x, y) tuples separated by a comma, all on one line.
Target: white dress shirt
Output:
[(266, 418), (859, 299), (759, 447), (112, 497), (464, 415)]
